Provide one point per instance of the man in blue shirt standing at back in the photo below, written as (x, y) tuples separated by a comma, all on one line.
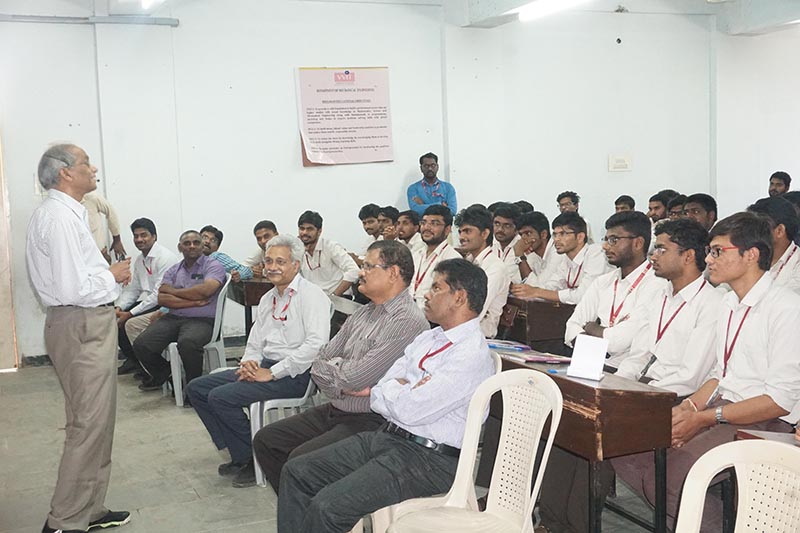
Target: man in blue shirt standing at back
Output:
[(430, 190)]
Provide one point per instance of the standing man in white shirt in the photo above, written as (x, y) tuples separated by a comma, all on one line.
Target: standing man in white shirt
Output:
[(506, 223), (325, 263), (140, 296), (292, 324), (785, 268), (263, 231), (423, 397), (475, 236), (78, 287), (615, 306), (435, 230), (755, 382), (582, 263)]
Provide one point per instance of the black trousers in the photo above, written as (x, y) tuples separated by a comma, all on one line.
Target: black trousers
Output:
[(122, 336), (191, 334)]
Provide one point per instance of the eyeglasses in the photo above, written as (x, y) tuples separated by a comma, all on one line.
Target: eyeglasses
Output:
[(716, 251), (612, 240), (562, 234), (280, 262), (504, 225), (661, 250), (675, 214), (431, 223), (367, 267)]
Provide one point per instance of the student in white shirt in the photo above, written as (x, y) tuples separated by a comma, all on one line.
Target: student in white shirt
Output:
[(435, 230), (570, 202), (263, 231), (582, 263), (785, 268), (368, 215), (615, 306), (475, 234), (325, 263), (535, 250), (505, 238), (675, 349), (140, 296), (756, 378), (408, 231)]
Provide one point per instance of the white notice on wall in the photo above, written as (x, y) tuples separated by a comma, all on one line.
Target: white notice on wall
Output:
[(344, 114)]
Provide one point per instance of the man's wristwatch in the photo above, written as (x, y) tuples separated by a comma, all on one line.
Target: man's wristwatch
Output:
[(718, 415), (519, 259)]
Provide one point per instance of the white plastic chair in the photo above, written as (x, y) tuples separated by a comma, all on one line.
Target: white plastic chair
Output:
[(768, 486), (215, 346), (529, 397)]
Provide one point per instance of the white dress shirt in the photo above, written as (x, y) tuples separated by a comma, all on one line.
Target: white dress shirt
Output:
[(424, 265), (415, 244), (786, 272), (64, 263), (631, 307), (509, 258), (542, 268), (434, 402), (328, 266), (497, 290), (146, 278), (256, 258), (573, 276), (682, 359), (764, 358), (291, 328)]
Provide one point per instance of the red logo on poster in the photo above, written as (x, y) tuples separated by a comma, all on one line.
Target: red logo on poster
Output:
[(344, 77)]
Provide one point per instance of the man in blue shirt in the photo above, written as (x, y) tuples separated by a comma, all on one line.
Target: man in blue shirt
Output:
[(430, 190)]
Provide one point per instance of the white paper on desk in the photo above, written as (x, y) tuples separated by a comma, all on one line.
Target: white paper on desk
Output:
[(588, 357)]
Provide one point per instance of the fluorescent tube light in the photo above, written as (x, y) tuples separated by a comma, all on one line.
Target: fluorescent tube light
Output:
[(542, 8)]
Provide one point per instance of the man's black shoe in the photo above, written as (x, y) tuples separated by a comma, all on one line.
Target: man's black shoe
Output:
[(229, 469), (141, 375), (48, 529), (111, 519), (246, 477), (128, 367), (152, 384)]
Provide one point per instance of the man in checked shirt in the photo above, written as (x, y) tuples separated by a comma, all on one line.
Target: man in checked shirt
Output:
[(371, 340)]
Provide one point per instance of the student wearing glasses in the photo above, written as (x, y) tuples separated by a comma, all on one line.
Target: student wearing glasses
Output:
[(435, 231)]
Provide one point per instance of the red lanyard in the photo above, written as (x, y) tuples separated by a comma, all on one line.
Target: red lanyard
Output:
[(431, 354), (503, 255), (421, 275), (433, 192), (148, 268), (319, 260), (660, 332), (482, 256), (729, 349), (285, 307), (614, 313), (778, 273), (571, 284)]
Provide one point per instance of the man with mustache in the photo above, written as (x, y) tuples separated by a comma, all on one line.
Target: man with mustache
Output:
[(325, 262), (435, 230)]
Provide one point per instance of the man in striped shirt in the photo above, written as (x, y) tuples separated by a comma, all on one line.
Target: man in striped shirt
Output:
[(371, 340), (212, 240)]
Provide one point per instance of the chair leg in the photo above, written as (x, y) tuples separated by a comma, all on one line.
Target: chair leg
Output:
[(177, 374), (728, 489)]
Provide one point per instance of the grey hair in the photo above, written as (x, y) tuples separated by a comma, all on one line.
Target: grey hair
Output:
[(53, 160), (294, 245)]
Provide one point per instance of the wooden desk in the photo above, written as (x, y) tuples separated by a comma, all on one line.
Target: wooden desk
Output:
[(601, 420), (248, 293), (537, 323)]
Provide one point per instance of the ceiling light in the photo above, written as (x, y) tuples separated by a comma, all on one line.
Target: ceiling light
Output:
[(542, 8)]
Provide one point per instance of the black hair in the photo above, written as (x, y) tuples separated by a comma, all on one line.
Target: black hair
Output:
[(661, 198), (211, 229), (429, 155), (688, 234), (144, 223), (461, 274), (524, 206), (412, 215), (509, 211), (491, 208), (626, 200), (706, 201), (310, 217), (396, 253), (442, 211), (633, 222), (535, 220), (678, 200), (266, 224), (573, 197), (571, 220), (783, 176), (669, 194), (477, 217), (793, 197), (779, 211), (747, 230), (188, 231), (368, 211), (390, 212)]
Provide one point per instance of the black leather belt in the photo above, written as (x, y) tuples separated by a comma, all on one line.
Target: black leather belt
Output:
[(444, 449)]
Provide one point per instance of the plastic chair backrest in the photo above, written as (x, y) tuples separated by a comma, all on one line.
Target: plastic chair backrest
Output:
[(529, 398), (768, 486), (220, 313), (498, 362)]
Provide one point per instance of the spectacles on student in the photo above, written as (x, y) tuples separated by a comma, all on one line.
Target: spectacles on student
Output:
[(612, 240), (716, 251), (562, 234), (431, 223), (367, 267)]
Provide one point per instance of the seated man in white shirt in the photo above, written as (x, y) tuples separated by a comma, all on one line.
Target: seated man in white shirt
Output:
[(408, 231), (387, 218), (616, 305), (292, 324), (325, 263), (785, 268), (435, 230), (506, 224), (424, 396), (755, 382), (140, 296), (535, 251), (368, 215), (475, 235), (263, 232), (582, 263), (570, 202)]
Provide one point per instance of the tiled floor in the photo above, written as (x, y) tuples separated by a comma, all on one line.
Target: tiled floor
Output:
[(164, 464)]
